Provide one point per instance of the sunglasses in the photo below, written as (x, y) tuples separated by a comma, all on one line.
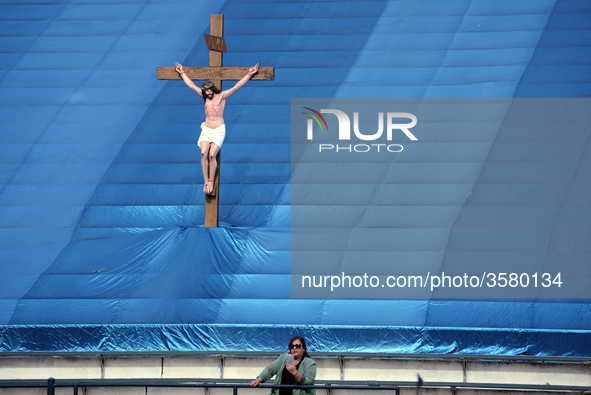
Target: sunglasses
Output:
[(292, 346)]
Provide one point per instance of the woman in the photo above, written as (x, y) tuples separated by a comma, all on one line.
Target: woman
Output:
[(303, 370)]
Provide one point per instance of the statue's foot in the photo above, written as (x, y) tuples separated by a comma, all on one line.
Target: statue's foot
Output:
[(210, 187)]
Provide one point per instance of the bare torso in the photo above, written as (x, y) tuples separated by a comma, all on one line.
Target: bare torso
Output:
[(214, 111)]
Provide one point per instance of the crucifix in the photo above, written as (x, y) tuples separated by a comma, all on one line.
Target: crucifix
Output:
[(216, 73)]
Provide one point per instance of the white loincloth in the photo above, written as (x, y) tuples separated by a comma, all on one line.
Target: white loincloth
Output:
[(215, 136)]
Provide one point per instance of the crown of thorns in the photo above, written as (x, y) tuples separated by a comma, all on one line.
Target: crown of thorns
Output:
[(206, 87)]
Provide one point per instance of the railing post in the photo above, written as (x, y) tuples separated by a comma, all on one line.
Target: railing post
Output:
[(51, 386), (235, 390), (76, 389)]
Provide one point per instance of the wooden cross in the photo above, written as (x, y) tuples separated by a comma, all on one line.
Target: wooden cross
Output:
[(216, 73)]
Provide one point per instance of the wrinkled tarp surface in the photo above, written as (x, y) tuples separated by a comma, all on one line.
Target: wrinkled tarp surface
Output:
[(101, 205)]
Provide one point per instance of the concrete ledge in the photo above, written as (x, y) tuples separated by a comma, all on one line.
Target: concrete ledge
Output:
[(396, 370), (43, 368), (527, 373), (181, 367)]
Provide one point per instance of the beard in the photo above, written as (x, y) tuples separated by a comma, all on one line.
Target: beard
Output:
[(210, 97)]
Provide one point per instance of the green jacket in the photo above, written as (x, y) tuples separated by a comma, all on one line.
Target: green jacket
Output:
[(307, 368)]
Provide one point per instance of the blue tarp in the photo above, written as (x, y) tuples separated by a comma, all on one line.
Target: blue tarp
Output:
[(101, 205)]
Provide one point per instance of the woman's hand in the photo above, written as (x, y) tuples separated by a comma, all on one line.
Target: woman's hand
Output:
[(291, 369), (178, 67), (256, 382)]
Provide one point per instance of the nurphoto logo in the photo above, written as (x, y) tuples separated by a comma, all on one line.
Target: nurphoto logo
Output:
[(344, 132)]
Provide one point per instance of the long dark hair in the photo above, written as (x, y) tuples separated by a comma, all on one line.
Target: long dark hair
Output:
[(214, 89), (301, 339)]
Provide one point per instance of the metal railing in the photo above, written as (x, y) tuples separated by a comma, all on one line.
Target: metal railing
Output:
[(234, 384), (52, 384), (364, 355)]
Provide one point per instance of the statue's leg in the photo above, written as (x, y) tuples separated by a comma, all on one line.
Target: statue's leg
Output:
[(213, 166), (205, 165)]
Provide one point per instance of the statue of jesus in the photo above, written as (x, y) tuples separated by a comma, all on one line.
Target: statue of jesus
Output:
[(213, 130)]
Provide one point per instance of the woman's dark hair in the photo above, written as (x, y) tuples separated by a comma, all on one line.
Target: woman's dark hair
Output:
[(213, 88), (301, 339)]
